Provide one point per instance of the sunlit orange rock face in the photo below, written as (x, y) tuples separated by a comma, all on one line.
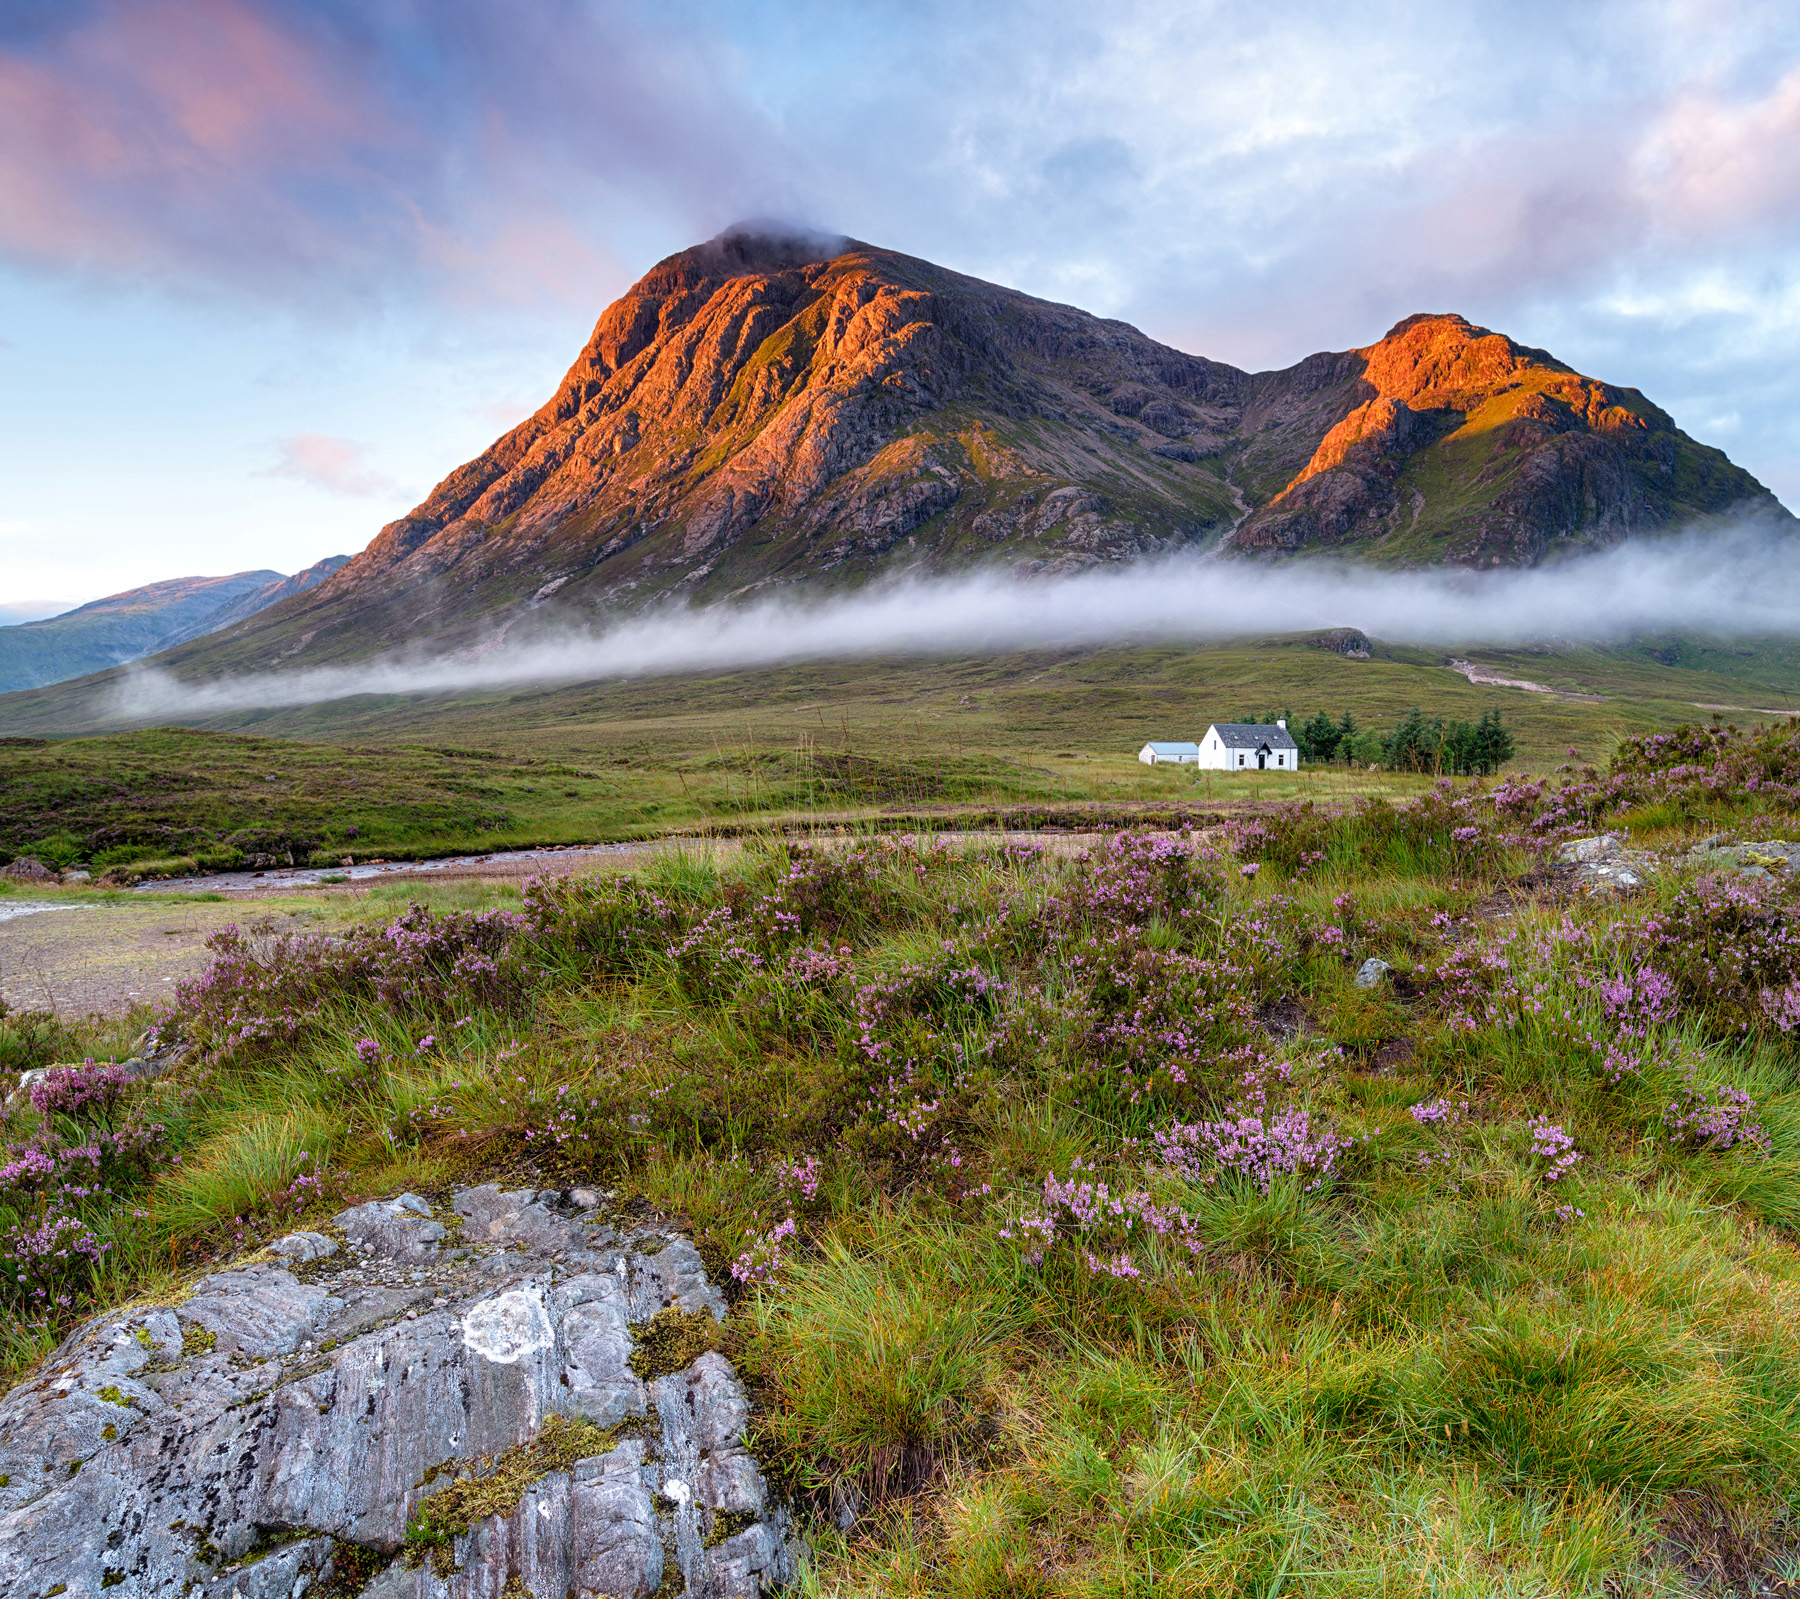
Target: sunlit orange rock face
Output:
[(1469, 448), (765, 411)]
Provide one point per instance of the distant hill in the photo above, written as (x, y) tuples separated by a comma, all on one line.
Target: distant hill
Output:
[(139, 622)]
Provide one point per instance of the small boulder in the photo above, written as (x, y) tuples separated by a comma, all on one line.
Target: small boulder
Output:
[(27, 870), (400, 1229), (303, 1247), (1605, 864), (1580, 851), (1371, 972)]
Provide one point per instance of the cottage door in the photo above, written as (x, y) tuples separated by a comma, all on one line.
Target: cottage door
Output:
[(1262, 758)]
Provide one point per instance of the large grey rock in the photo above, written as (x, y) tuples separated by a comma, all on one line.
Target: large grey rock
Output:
[(225, 1445), (1606, 864)]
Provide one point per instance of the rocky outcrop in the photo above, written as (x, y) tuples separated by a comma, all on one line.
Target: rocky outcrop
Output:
[(419, 1403), (1465, 447), (1760, 858)]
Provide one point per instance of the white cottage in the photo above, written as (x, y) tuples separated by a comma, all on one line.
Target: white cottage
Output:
[(1249, 746), (1154, 754)]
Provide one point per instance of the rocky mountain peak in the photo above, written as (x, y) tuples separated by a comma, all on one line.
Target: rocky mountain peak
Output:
[(1463, 446)]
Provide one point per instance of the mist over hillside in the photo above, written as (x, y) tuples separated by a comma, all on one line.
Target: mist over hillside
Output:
[(1742, 581)]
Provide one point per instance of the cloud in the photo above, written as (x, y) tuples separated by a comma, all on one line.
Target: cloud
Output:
[(202, 134), (1259, 180), (303, 150), (14, 612), (339, 466), (1745, 581)]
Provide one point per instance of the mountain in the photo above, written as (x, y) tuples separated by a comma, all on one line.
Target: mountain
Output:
[(271, 593), (1465, 447), (771, 409), (139, 622)]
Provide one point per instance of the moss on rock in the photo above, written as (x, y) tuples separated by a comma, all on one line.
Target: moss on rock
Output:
[(671, 1341), (449, 1513)]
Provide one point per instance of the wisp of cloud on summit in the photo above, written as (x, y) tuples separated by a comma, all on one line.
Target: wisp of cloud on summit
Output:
[(1745, 581)]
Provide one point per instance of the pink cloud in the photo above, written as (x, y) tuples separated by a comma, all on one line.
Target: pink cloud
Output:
[(1711, 163), (304, 150), (152, 132), (339, 466), (1522, 216)]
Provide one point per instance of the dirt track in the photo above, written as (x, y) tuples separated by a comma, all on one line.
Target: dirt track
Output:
[(107, 957)]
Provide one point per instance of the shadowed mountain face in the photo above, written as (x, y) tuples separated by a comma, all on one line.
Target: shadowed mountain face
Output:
[(139, 622), (768, 409)]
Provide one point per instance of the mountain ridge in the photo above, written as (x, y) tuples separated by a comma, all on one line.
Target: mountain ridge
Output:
[(772, 408)]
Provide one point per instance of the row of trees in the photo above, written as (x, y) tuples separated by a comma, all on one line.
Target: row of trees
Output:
[(1417, 743)]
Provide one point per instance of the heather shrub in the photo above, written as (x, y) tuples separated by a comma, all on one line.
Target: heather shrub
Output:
[(33, 1038), (1444, 832), (611, 926), (270, 993), (1731, 947), (72, 1159)]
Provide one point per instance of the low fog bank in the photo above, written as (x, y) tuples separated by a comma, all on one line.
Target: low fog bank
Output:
[(1741, 582)]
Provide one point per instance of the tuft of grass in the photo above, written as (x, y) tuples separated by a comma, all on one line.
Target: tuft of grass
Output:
[(884, 1364)]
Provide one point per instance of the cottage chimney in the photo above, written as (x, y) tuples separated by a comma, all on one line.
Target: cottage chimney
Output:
[(1281, 722)]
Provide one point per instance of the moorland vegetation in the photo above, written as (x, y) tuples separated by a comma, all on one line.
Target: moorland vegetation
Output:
[(1090, 1228), (174, 801)]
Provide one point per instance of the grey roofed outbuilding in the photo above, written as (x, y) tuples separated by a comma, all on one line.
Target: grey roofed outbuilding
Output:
[(1173, 749), (1253, 735)]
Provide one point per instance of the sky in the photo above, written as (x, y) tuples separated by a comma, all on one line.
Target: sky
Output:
[(269, 268)]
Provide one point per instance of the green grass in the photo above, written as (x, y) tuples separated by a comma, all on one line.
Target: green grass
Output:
[(600, 762), (1425, 1376)]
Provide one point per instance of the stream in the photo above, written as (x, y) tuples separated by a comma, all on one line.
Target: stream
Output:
[(370, 871)]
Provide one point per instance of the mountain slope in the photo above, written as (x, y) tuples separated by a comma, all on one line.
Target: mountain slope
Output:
[(139, 622), (279, 588)]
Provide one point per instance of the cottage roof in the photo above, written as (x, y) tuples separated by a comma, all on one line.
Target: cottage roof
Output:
[(1253, 735), (1173, 749)]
